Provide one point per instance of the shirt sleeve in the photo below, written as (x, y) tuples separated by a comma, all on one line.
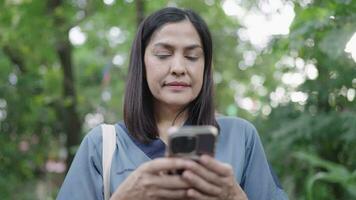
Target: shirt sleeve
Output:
[(258, 180), (84, 178)]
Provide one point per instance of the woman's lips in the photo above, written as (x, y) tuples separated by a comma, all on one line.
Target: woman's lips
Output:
[(177, 85)]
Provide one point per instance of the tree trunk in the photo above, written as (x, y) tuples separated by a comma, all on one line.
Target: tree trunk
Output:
[(70, 117), (71, 121), (140, 11)]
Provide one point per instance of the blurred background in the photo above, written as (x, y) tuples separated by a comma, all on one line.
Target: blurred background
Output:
[(289, 66)]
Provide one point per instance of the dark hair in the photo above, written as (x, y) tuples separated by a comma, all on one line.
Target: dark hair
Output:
[(138, 103)]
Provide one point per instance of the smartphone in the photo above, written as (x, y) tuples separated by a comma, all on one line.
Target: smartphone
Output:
[(191, 141)]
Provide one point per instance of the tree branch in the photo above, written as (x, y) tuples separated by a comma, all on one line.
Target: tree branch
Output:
[(15, 58)]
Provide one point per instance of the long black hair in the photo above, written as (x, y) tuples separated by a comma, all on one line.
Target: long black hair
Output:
[(138, 103)]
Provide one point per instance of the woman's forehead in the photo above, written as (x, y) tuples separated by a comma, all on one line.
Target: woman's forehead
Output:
[(176, 34)]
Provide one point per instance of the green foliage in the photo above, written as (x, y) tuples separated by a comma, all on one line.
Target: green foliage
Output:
[(316, 138), (323, 128), (330, 136), (335, 173)]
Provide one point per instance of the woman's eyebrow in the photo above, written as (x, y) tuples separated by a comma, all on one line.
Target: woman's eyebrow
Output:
[(169, 46), (193, 46), (164, 45)]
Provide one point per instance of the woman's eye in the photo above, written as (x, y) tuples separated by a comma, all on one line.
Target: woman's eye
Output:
[(162, 56), (192, 58)]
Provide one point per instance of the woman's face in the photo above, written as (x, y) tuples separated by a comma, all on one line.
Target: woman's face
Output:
[(174, 61)]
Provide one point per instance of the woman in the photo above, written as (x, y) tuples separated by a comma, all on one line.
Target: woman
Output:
[(170, 83)]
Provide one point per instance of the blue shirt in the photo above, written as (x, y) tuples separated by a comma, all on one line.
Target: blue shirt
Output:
[(238, 144)]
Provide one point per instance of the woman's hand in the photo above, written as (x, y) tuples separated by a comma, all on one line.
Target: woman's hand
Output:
[(150, 181), (212, 180)]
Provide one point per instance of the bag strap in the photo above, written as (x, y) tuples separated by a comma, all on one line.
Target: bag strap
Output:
[(109, 144)]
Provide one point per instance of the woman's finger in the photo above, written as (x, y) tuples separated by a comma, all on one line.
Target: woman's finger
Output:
[(164, 164), (216, 166), (196, 195), (168, 194), (169, 182), (205, 173), (200, 184)]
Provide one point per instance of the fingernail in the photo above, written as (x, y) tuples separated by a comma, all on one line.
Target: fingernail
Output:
[(204, 158), (190, 193)]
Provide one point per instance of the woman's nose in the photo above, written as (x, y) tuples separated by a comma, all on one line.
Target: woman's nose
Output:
[(178, 65)]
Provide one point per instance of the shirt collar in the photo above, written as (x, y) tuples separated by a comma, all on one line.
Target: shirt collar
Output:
[(154, 149)]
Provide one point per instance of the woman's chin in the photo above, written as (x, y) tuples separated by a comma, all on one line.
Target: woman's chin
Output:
[(174, 103), (178, 104)]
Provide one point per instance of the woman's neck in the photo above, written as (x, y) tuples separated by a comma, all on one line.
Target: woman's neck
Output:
[(166, 116)]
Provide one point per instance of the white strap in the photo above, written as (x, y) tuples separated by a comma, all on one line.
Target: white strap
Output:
[(109, 144)]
